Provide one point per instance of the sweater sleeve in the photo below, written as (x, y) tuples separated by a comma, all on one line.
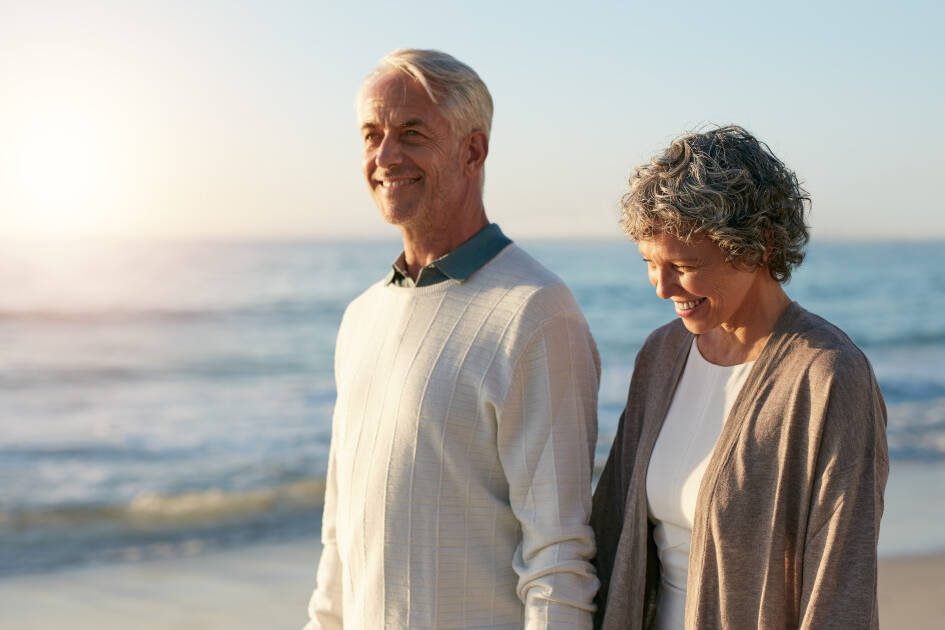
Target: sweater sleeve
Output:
[(839, 570), (325, 605), (547, 430), (607, 515)]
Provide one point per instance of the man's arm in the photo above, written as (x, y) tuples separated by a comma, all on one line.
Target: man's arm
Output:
[(325, 606), (547, 430)]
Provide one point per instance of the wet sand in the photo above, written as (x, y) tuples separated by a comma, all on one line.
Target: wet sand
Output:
[(260, 587), (267, 587), (912, 592)]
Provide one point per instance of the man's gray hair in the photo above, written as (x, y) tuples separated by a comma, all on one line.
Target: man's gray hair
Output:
[(451, 84)]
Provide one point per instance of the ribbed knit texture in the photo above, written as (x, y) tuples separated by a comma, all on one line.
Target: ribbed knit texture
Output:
[(459, 477)]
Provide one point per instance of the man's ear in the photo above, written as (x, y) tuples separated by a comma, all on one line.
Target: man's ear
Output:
[(477, 148)]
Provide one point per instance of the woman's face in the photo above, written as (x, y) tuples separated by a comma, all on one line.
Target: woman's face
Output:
[(706, 290)]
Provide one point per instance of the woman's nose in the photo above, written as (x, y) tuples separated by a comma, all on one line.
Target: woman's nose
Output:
[(664, 282)]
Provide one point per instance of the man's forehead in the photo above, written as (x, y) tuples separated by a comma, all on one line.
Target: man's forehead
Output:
[(396, 98), (374, 116)]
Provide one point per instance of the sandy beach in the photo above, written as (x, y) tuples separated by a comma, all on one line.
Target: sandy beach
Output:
[(912, 592), (267, 587), (263, 586)]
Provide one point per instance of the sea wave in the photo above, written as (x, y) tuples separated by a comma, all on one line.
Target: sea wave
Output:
[(88, 451), (912, 391), (916, 431), (905, 340), (120, 315), (156, 512), (207, 369)]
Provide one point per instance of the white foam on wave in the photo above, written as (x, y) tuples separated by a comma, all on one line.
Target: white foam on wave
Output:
[(151, 512)]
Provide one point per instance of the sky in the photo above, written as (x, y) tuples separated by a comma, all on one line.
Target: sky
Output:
[(205, 119)]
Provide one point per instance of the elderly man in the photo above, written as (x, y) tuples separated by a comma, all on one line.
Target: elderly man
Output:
[(458, 488)]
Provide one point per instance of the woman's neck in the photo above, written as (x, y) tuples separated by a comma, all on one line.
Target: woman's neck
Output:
[(743, 339)]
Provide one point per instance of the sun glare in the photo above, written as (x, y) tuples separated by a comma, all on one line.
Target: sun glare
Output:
[(57, 164), (59, 171)]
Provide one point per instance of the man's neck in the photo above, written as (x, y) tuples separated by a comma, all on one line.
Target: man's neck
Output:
[(424, 244)]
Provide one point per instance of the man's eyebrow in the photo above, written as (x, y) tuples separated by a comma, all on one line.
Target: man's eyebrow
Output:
[(410, 123)]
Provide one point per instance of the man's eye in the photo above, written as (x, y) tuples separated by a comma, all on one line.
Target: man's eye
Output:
[(372, 137)]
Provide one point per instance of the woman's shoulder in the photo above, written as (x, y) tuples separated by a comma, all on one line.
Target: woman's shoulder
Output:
[(838, 375), (808, 343)]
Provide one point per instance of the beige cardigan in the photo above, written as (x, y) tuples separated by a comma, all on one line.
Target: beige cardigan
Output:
[(787, 518)]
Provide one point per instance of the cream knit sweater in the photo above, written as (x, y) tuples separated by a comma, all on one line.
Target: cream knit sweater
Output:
[(462, 446)]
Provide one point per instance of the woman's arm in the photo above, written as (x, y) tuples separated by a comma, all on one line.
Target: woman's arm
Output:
[(839, 572)]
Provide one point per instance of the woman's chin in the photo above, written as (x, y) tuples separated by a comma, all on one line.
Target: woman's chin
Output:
[(695, 325)]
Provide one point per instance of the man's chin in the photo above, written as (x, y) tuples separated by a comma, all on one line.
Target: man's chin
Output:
[(397, 215)]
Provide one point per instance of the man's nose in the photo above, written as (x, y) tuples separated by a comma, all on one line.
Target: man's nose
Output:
[(388, 152)]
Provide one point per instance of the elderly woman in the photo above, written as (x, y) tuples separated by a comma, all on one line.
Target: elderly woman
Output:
[(745, 485)]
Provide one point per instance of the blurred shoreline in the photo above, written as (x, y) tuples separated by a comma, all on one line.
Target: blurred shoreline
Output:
[(260, 584), (268, 585), (153, 528), (165, 410)]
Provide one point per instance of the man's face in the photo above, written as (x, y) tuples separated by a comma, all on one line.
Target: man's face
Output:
[(412, 159)]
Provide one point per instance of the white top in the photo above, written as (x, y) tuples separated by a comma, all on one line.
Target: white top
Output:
[(701, 403), (458, 489)]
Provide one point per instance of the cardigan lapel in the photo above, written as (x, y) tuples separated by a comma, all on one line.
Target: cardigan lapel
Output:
[(657, 402), (732, 428)]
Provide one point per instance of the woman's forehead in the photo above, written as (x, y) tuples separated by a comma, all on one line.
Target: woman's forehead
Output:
[(666, 245)]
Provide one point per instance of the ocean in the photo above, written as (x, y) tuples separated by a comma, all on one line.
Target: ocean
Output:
[(166, 398)]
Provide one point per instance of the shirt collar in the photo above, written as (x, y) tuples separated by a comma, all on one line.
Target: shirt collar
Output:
[(458, 264)]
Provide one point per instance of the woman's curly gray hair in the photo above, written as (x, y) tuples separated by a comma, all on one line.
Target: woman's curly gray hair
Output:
[(728, 186)]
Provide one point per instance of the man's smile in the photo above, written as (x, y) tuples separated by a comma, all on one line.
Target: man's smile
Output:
[(397, 182)]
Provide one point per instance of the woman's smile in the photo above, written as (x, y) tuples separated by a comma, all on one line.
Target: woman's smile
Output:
[(686, 309)]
